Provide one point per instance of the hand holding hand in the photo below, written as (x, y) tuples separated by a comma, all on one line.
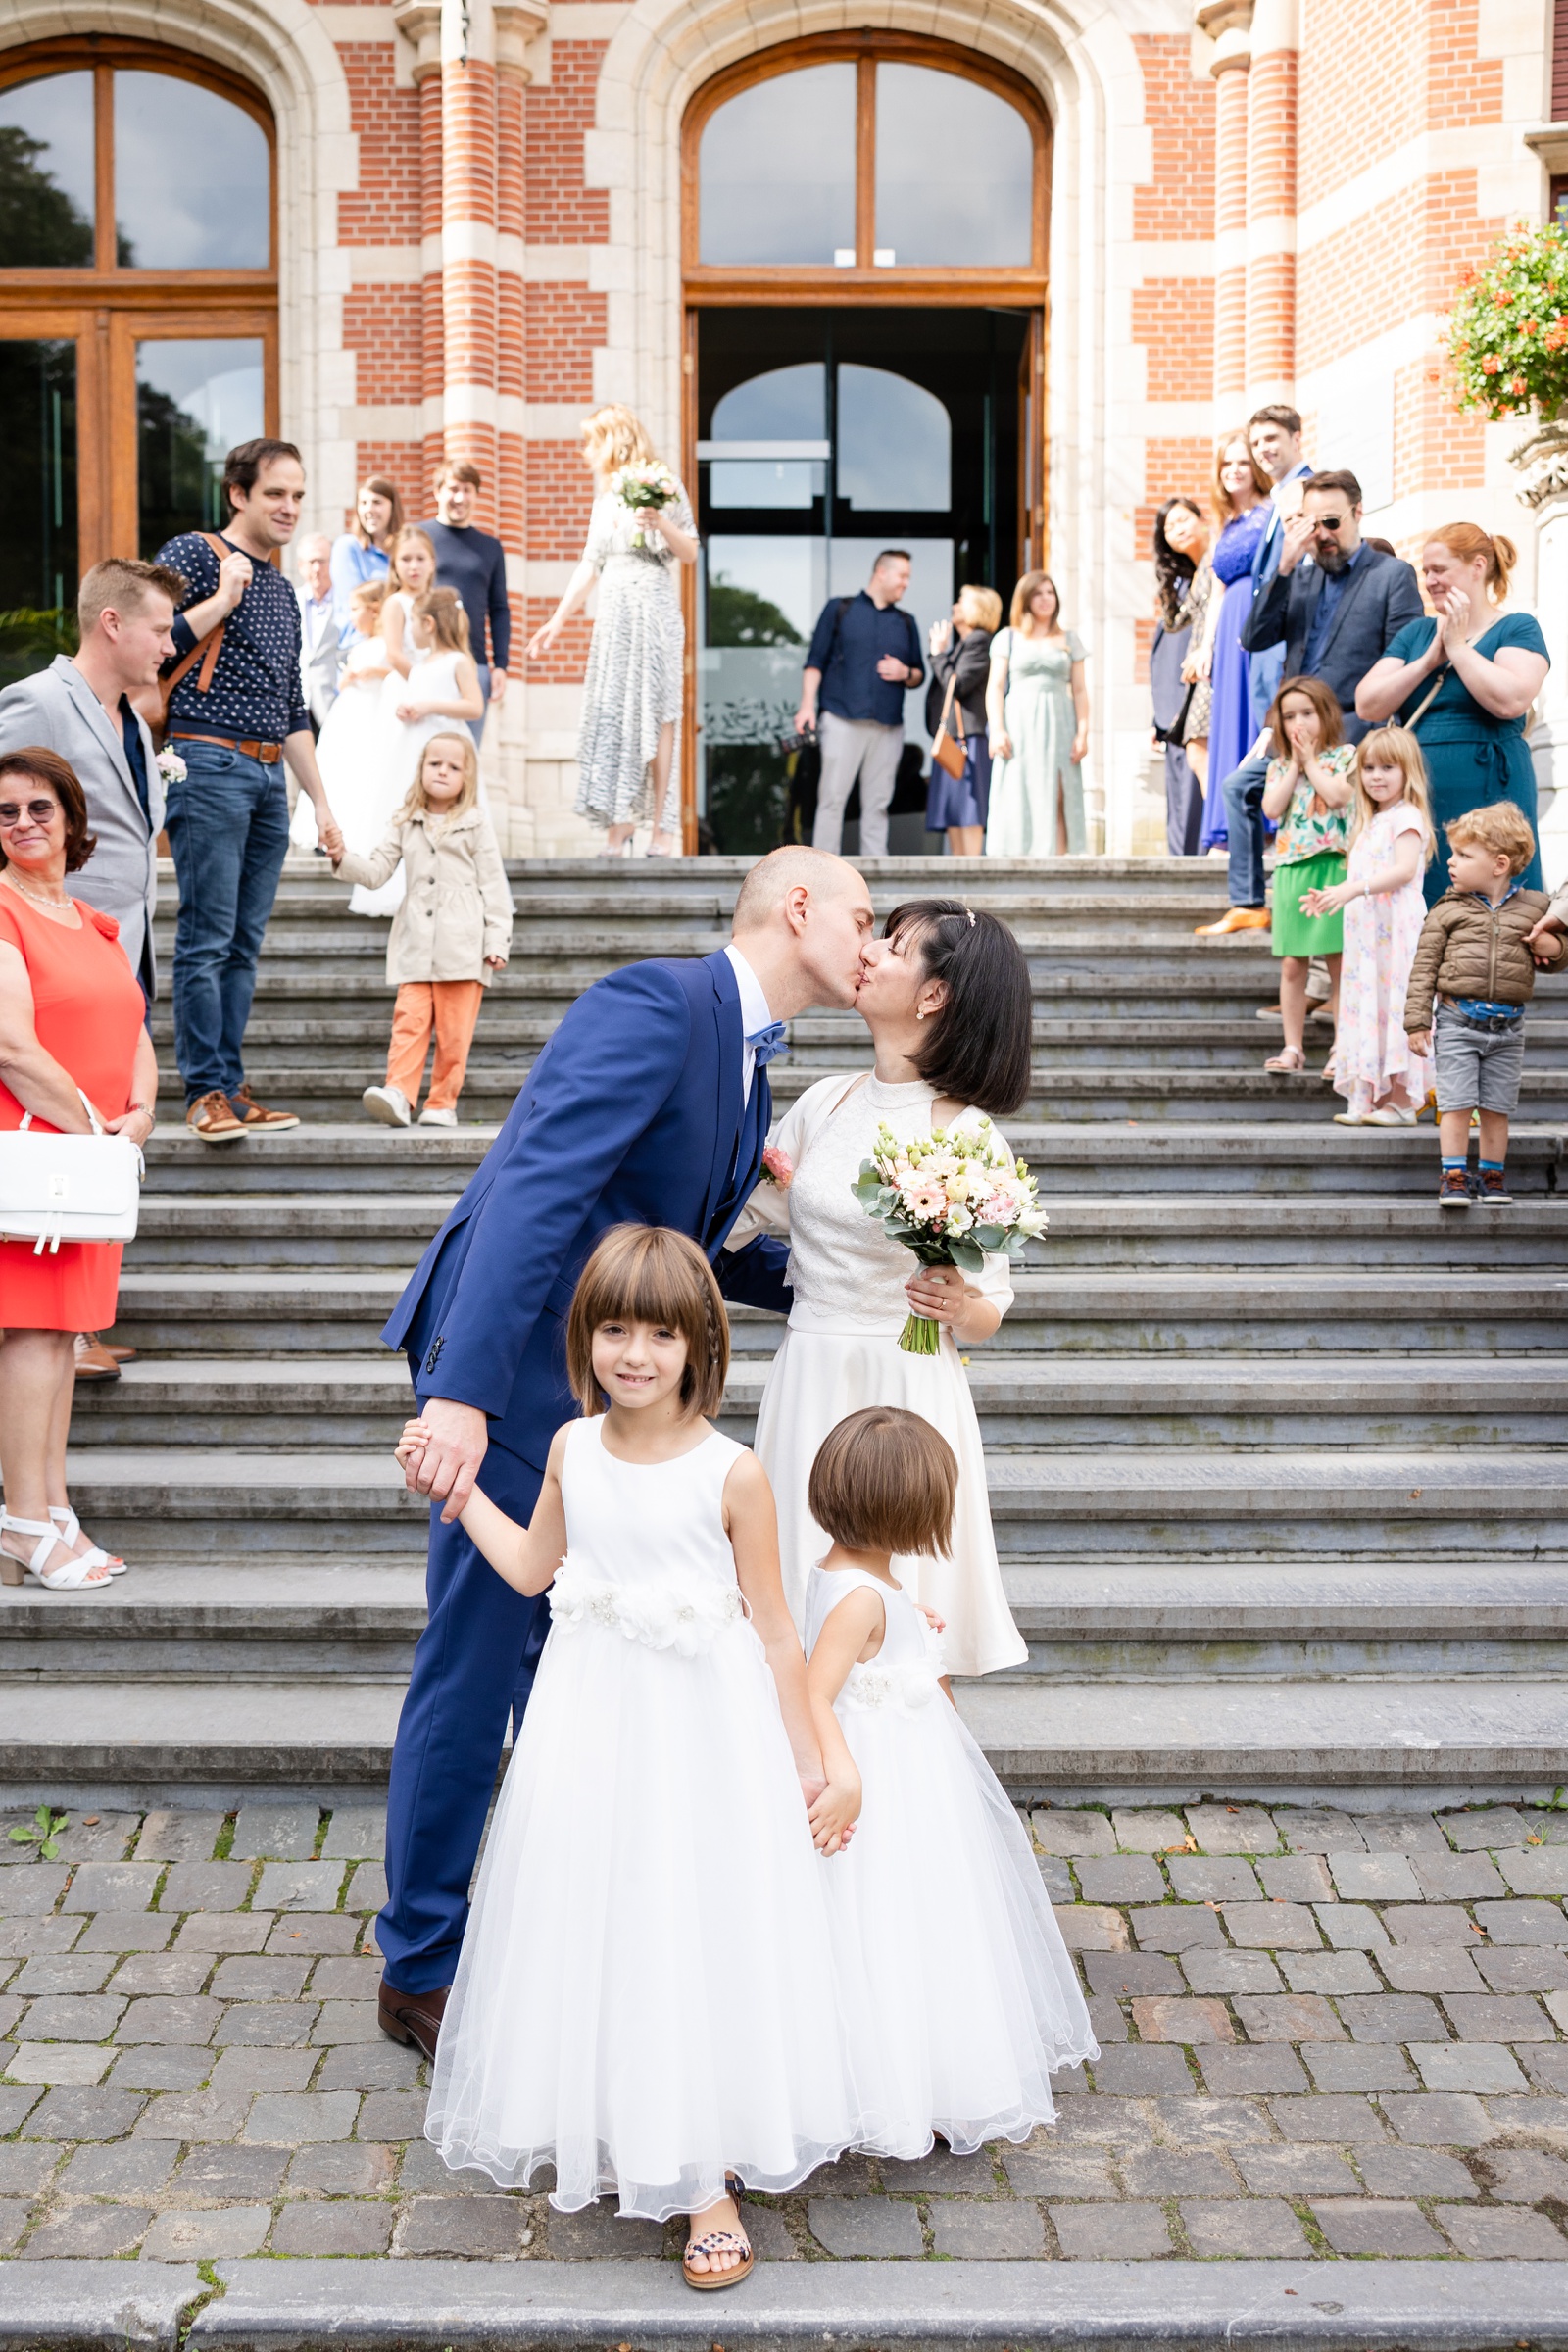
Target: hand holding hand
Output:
[(457, 1436), (833, 1816), (332, 841)]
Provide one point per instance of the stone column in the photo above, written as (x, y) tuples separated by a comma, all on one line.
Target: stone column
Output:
[(419, 23), (469, 320), (1271, 203), (1542, 460), (1228, 24)]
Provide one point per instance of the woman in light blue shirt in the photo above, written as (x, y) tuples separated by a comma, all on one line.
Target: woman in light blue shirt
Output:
[(365, 553)]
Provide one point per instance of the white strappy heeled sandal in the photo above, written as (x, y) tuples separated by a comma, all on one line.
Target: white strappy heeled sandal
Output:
[(69, 1525), (70, 1576)]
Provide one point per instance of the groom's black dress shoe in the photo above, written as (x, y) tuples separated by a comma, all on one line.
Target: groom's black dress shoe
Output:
[(412, 2017)]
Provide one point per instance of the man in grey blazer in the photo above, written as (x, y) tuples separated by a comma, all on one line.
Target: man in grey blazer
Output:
[(321, 641), (83, 706)]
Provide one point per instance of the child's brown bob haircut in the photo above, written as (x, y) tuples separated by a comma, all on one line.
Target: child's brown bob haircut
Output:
[(650, 1274), (884, 1481), (1501, 826), (1330, 717)]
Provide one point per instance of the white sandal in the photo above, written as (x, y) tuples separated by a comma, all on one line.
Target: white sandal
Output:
[(73, 1576), (69, 1525)]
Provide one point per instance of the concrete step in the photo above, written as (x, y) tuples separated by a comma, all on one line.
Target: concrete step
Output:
[(1188, 1157), (181, 1737), (1248, 1402), (351, 1228), (1292, 1309), (1074, 1093), (1118, 1502)]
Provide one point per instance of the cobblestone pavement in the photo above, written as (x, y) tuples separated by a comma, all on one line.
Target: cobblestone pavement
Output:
[(1322, 2036)]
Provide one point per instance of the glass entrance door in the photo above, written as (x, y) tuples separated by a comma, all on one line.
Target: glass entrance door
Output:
[(49, 488), (824, 436)]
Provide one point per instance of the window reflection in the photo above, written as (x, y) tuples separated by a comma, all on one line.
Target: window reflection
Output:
[(955, 171), (195, 402), (777, 170), (191, 177), (37, 497), (771, 424), (46, 174), (895, 443)]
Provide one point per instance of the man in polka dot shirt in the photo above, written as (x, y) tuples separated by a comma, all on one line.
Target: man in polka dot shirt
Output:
[(227, 820)]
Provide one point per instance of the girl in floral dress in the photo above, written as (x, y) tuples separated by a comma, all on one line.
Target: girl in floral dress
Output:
[(1306, 791), (1391, 842)]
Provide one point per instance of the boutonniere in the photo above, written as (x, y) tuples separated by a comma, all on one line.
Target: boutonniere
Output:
[(172, 768)]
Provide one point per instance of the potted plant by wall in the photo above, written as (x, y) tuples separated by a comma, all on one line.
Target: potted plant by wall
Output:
[(1508, 347)]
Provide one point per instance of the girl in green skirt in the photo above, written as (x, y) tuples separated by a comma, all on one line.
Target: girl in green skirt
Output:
[(1307, 792)]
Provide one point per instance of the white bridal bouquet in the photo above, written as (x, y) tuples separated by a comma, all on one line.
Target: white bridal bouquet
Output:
[(954, 1197), (638, 486)]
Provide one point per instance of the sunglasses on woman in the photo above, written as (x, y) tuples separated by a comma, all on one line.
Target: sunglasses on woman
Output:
[(40, 811)]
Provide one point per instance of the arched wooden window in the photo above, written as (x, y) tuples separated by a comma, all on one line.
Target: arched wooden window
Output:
[(139, 301), (864, 243)]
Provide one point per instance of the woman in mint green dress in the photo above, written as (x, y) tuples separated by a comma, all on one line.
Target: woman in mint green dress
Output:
[(1488, 667), (1037, 709)]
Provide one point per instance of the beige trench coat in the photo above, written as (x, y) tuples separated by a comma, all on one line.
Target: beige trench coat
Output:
[(457, 907)]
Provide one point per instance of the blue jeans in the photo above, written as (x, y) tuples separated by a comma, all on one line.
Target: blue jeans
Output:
[(475, 728), (1243, 829), (228, 826)]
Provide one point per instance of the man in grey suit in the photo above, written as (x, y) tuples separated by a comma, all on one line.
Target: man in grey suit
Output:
[(320, 644), (83, 708)]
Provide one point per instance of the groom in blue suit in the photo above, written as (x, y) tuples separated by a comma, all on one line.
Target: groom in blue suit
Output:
[(649, 1106)]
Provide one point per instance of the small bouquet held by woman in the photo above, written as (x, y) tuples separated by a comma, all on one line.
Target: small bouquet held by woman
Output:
[(645, 484), (954, 1197)]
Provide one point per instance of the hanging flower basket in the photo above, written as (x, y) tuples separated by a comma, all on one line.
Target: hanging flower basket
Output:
[(1507, 334)]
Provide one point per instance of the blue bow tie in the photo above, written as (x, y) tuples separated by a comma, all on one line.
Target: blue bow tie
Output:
[(766, 1043)]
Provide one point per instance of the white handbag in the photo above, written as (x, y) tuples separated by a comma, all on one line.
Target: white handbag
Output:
[(68, 1188)]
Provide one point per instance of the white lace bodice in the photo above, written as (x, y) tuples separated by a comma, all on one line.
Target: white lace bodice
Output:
[(647, 1554), (847, 1275)]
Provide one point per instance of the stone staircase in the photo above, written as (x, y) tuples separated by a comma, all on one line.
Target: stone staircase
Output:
[(1278, 1457)]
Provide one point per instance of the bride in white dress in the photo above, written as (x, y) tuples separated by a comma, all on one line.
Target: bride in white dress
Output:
[(945, 995)]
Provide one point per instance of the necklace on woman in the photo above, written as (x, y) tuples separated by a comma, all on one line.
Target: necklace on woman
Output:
[(37, 896)]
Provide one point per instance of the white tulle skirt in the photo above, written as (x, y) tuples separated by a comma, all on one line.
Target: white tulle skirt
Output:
[(939, 1902), (646, 1995)]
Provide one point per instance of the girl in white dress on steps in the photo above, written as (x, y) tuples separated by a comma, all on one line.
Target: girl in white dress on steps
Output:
[(938, 1903), (352, 746), (441, 684), (945, 995), (645, 1997)]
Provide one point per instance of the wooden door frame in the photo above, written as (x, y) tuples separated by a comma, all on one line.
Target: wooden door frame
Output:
[(709, 286)]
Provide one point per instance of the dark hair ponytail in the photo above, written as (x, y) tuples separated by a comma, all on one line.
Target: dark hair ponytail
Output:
[(979, 1042)]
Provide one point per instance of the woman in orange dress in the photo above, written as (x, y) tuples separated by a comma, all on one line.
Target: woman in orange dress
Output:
[(71, 1017)]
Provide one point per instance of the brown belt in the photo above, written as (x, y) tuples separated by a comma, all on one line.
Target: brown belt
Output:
[(268, 753)]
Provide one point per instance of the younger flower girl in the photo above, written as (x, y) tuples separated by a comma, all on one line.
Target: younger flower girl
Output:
[(1392, 844), (938, 1904), (644, 1998)]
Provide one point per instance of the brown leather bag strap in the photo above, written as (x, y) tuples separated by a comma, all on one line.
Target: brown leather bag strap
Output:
[(207, 649)]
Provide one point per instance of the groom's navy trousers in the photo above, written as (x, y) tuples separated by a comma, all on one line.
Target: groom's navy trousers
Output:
[(632, 1115)]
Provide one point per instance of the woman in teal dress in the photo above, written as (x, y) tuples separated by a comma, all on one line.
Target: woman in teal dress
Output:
[(1037, 710), (1488, 667)]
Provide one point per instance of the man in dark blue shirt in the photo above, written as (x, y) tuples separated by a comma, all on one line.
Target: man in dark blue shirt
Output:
[(864, 659), (236, 712), (475, 565)]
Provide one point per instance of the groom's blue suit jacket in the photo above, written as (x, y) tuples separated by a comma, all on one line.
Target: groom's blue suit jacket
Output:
[(632, 1115)]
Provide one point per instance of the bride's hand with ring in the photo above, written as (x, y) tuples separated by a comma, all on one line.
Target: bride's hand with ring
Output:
[(941, 1295)]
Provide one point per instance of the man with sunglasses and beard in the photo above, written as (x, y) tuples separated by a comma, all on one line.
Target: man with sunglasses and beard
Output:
[(1337, 603)]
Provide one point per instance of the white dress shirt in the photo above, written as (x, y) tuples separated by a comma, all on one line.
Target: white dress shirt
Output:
[(755, 1015)]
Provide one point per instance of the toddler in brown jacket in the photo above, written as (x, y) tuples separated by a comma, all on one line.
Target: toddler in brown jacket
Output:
[(1475, 960)]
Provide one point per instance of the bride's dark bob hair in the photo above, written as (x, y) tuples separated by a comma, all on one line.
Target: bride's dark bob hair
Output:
[(977, 1049)]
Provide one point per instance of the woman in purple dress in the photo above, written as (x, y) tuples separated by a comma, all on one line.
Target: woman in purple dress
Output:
[(1241, 511)]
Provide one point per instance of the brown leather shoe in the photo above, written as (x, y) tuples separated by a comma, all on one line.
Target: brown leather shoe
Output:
[(1236, 919), (412, 2017), (211, 1117), (121, 1355), (255, 1118), (93, 1359)]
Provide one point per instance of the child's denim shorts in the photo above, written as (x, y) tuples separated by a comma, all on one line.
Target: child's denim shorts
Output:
[(1478, 1068)]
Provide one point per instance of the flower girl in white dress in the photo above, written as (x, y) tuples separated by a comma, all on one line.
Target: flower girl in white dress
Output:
[(938, 1902), (644, 1998), (441, 684), (351, 749)]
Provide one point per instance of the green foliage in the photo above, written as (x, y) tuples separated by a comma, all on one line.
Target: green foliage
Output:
[(739, 616), (31, 636), (45, 1831), (1507, 334), (40, 228)]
